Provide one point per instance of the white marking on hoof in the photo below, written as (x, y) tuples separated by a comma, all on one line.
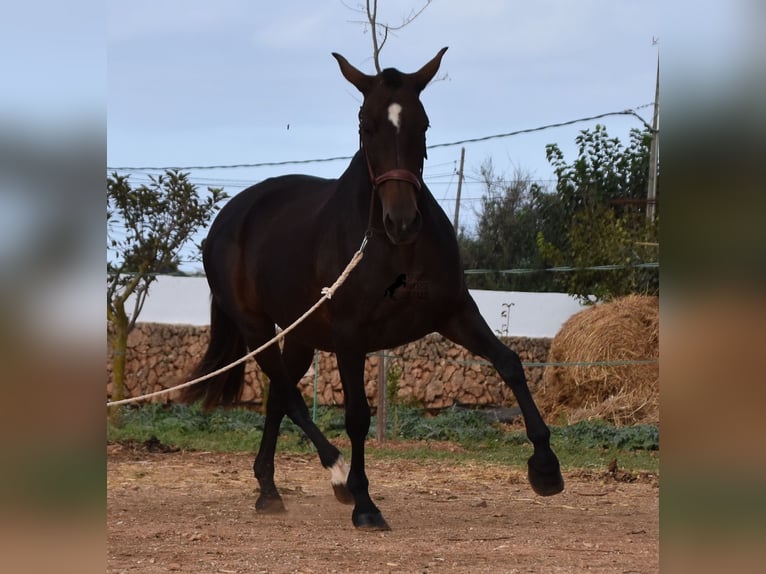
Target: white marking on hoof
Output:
[(395, 115), (339, 472)]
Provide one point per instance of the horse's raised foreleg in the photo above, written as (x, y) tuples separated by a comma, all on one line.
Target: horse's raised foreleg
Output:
[(468, 328), (366, 515)]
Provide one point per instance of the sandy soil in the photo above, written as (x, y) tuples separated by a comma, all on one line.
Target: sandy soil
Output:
[(194, 512)]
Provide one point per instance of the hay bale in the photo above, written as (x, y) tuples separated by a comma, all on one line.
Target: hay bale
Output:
[(625, 329)]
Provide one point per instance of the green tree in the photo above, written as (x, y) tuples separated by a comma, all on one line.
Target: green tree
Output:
[(601, 196), (512, 212), (147, 227)]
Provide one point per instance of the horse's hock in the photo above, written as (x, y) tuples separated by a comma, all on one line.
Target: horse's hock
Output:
[(432, 372)]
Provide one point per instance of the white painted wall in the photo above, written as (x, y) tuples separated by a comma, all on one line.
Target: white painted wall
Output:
[(186, 300), (531, 315)]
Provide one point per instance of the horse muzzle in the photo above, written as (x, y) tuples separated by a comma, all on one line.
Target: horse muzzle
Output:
[(401, 231), (401, 217)]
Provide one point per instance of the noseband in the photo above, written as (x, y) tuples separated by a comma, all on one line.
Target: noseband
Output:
[(396, 174)]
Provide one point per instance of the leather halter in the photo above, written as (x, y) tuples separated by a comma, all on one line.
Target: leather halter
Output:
[(396, 174)]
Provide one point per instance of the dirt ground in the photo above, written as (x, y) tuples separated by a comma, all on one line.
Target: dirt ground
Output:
[(194, 512)]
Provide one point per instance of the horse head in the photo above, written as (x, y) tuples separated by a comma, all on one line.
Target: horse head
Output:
[(392, 131)]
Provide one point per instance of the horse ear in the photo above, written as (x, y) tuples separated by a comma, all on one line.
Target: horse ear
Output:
[(361, 81), (427, 72)]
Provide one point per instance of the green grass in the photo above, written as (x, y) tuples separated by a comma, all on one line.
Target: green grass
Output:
[(585, 445)]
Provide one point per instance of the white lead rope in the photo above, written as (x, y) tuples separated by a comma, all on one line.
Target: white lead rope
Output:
[(327, 293)]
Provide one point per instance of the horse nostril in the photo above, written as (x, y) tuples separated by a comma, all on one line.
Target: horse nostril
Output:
[(402, 230), (388, 224)]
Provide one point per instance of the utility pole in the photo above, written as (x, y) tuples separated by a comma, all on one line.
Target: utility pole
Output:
[(651, 193), (380, 433), (459, 188)]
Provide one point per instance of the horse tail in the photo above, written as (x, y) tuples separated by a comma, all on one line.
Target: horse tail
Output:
[(226, 346)]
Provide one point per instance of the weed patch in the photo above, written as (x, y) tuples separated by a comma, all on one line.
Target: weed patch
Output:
[(586, 444)]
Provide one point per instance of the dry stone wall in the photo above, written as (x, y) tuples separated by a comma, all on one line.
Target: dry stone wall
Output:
[(433, 372)]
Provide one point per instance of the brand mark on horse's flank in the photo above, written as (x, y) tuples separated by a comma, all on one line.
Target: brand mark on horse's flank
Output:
[(395, 115), (401, 281)]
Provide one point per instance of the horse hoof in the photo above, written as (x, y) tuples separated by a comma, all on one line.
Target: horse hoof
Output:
[(343, 494), (270, 505), (370, 522), (545, 479)]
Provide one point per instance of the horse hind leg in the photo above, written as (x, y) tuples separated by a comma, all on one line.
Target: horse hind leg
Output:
[(269, 500), (284, 370), (297, 358)]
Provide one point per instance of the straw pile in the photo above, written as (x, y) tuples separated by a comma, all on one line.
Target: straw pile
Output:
[(626, 329)]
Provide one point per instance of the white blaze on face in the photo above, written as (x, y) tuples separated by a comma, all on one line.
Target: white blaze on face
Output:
[(339, 472), (395, 115)]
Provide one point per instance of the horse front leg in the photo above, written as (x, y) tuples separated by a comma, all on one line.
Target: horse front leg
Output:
[(469, 329), (365, 515)]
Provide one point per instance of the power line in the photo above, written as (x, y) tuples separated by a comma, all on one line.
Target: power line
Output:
[(563, 269), (627, 112), (236, 165)]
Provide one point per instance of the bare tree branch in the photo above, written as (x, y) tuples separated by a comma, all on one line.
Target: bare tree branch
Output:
[(372, 18), (380, 31), (405, 21)]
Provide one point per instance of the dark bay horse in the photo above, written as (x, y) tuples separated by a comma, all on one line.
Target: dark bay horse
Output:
[(275, 245)]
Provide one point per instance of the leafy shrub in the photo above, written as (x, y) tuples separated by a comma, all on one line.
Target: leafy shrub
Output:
[(452, 424), (233, 428), (598, 434)]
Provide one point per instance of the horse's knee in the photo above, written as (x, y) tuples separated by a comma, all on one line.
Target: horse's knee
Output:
[(358, 420)]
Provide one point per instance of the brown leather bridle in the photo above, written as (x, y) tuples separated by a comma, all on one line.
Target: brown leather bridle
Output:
[(396, 174)]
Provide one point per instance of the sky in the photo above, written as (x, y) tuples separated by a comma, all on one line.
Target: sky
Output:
[(197, 83)]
